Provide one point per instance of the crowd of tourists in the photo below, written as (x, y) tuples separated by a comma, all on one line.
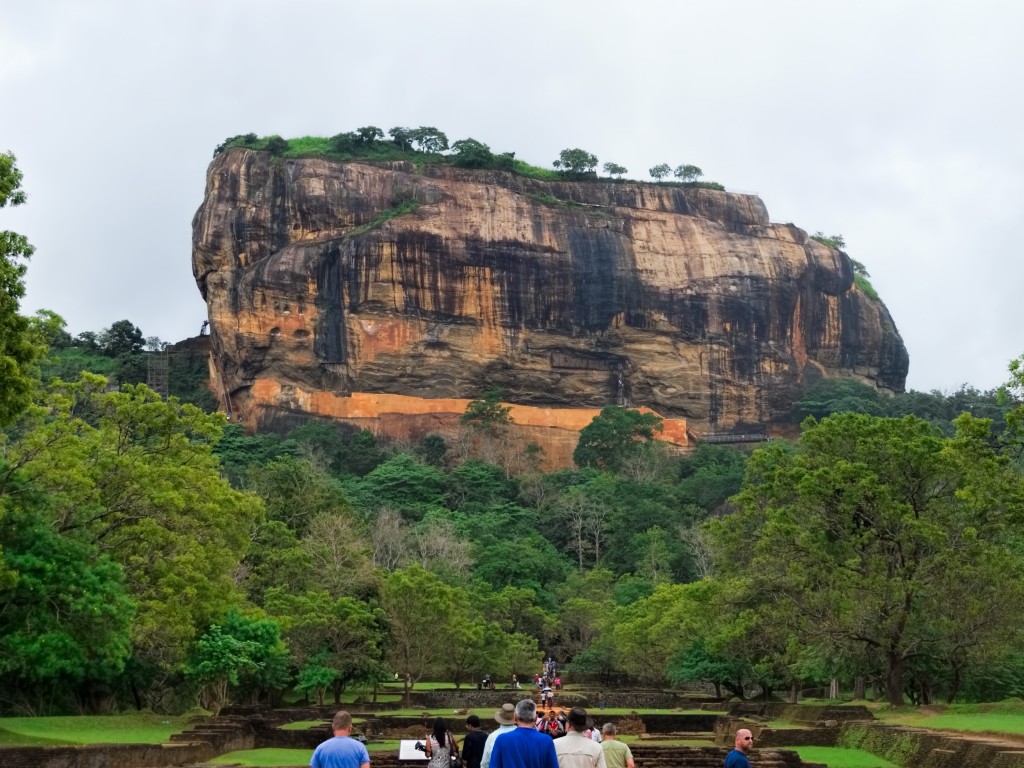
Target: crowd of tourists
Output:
[(524, 738)]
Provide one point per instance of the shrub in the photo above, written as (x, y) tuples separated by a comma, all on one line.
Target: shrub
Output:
[(865, 285), (276, 146)]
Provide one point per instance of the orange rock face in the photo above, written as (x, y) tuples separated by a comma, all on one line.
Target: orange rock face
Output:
[(333, 285)]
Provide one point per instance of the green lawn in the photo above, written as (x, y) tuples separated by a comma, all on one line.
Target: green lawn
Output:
[(952, 721), (90, 729), (650, 742), (994, 717), (838, 757), (266, 757), (289, 757), (303, 725)]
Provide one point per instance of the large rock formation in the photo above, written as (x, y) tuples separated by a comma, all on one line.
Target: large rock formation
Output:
[(326, 279)]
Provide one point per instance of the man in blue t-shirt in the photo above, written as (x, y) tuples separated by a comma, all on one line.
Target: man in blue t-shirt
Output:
[(342, 751), (524, 747), (737, 758)]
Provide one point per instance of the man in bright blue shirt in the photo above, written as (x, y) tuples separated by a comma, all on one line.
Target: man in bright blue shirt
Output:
[(342, 751), (524, 747)]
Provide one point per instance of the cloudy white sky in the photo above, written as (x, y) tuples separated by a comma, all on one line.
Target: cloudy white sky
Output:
[(896, 124)]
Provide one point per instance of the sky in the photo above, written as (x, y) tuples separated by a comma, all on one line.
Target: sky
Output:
[(895, 124)]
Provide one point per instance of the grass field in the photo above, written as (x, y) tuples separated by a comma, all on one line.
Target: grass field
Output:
[(837, 757), (288, 757), (90, 729), (995, 723), (1001, 717), (266, 757)]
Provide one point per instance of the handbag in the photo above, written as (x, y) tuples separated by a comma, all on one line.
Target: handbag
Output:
[(455, 755)]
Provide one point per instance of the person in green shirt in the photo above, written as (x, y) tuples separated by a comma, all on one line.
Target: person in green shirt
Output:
[(616, 753)]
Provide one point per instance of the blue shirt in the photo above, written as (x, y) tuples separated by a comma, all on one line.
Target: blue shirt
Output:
[(524, 748), (340, 752), (736, 759)]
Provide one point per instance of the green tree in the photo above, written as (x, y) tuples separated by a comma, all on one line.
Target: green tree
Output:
[(687, 173), (369, 134), (830, 396), (237, 451), (18, 347), (710, 475), (65, 619), (276, 145), (487, 414), (470, 153), (121, 338), (240, 652), (345, 450), (403, 484), (134, 476), (832, 241), (429, 139), (584, 603), (867, 532), (295, 491), (417, 605), (51, 329), (575, 162), (344, 143), (695, 662), (402, 137), (660, 171), (615, 435), (526, 560), (1014, 388), (327, 632), (241, 140), (614, 169), (276, 558)]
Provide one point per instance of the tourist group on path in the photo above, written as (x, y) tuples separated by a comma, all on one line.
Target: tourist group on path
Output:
[(517, 743)]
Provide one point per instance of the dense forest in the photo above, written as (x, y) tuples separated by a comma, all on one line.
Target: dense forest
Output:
[(156, 556)]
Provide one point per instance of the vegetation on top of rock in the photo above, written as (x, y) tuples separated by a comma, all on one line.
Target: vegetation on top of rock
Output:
[(426, 145), (860, 272)]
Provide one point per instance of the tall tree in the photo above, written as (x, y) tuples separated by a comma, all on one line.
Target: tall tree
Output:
[(660, 171), (418, 606), (65, 620), (487, 414), (429, 139), (866, 533), (576, 162), (325, 631), (470, 153), (134, 476), (121, 338), (18, 349), (614, 435), (688, 173), (614, 169)]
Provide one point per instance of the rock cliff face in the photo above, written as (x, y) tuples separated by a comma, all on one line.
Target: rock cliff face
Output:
[(327, 280)]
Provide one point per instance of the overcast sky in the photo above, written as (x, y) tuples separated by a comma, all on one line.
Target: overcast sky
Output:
[(895, 124)]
